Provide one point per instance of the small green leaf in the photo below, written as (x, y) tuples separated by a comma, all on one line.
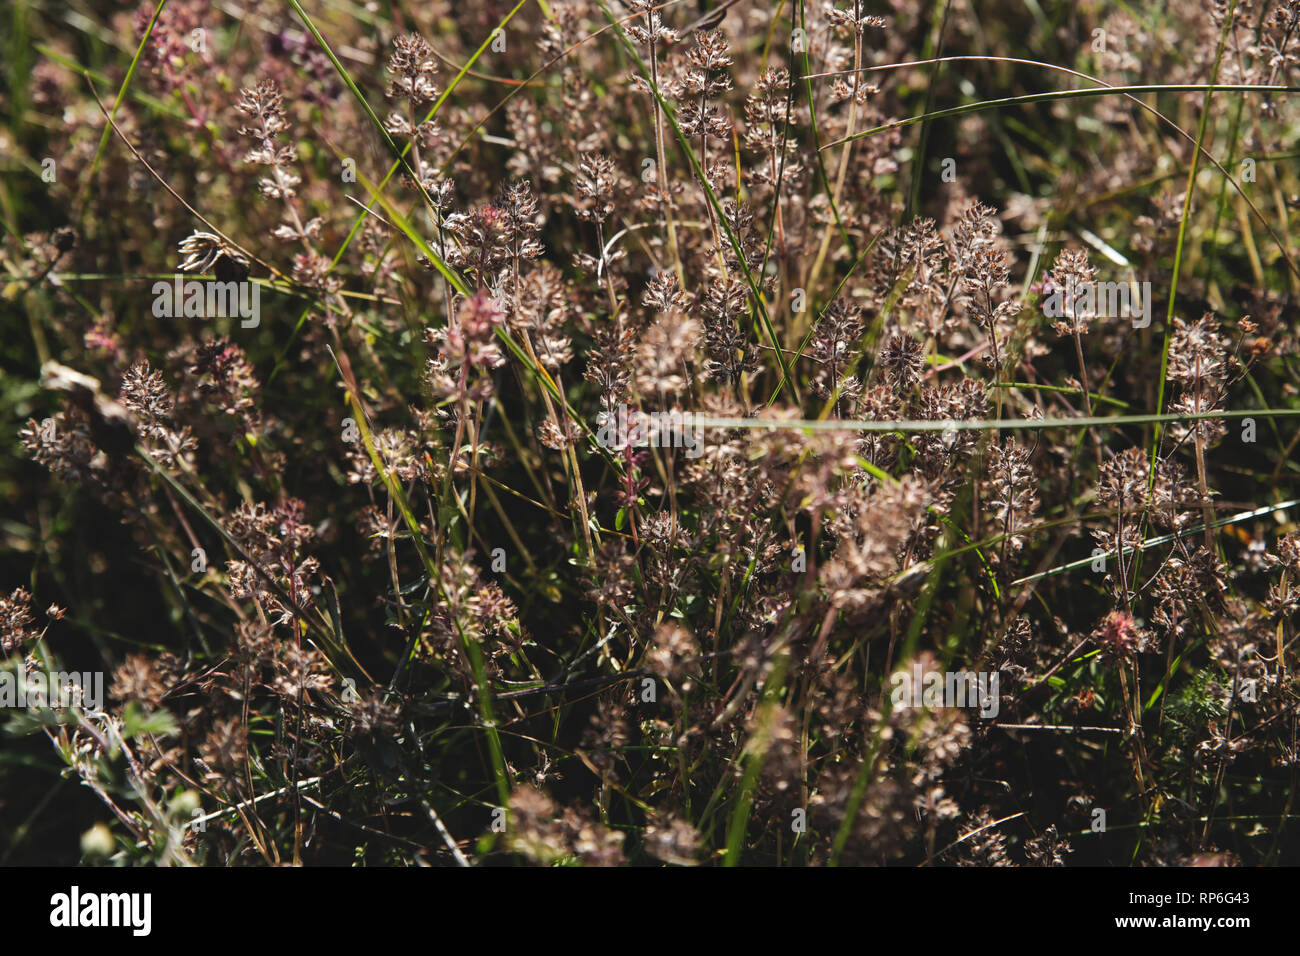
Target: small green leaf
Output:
[(136, 722)]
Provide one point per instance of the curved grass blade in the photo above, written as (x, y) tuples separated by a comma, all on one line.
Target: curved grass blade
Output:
[(1056, 95), (1162, 539), (121, 95), (986, 424)]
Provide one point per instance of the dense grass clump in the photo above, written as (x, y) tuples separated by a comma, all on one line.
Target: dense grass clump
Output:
[(575, 432)]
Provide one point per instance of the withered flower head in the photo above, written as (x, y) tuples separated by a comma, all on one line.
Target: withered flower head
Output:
[(1119, 636), (15, 615), (412, 67)]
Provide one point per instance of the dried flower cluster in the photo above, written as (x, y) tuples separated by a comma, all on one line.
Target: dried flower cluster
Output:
[(631, 410)]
